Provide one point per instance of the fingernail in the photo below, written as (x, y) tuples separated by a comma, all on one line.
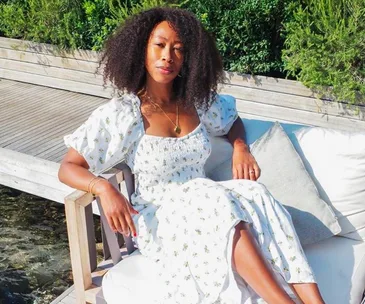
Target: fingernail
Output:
[(134, 234)]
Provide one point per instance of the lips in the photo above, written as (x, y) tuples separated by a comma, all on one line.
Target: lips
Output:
[(165, 70)]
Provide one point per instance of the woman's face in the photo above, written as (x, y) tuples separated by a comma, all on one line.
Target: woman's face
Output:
[(164, 56)]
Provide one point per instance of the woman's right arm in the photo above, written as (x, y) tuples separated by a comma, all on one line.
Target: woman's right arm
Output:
[(74, 173)]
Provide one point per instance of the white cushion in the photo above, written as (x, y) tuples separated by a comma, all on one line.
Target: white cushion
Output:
[(336, 162), (339, 266), (338, 263), (133, 280)]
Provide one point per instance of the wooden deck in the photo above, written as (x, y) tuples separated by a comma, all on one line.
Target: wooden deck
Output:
[(33, 121), (35, 118)]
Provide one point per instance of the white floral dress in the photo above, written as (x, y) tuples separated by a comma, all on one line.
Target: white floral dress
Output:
[(186, 221)]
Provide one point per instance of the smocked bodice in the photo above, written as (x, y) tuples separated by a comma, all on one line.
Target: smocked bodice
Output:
[(161, 162)]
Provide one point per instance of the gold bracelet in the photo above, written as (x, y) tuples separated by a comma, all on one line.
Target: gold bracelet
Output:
[(88, 186), (98, 180)]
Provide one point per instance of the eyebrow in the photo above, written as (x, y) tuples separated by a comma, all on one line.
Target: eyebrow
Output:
[(164, 38)]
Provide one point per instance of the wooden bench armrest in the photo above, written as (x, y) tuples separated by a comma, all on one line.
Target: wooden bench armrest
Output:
[(80, 228)]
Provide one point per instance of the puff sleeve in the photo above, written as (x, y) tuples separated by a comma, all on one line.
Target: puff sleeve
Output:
[(221, 115), (104, 139)]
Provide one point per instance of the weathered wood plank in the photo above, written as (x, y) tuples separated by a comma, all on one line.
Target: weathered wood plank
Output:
[(50, 71), (22, 106), (58, 149), (47, 49), (47, 115), (50, 60), (42, 121), (4, 84), (49, 100), (63, 84), (65, 297), (9, 94), (303, 117), (32, 175), (268, 84), (293, 101)]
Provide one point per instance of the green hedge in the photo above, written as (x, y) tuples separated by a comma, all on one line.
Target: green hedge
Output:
[(319, 42), (248, 32), (325, 48)]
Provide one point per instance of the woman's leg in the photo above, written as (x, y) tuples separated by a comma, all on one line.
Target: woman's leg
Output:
[(308, 292), (251, 266)]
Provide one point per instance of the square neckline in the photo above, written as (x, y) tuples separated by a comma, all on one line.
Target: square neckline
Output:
[(191, 133)]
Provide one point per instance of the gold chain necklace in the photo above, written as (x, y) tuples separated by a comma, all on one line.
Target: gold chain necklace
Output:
[(177, 128)]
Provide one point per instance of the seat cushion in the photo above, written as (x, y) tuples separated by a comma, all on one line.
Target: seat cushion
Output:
[(338, 263), (133, 280), (339, 266)]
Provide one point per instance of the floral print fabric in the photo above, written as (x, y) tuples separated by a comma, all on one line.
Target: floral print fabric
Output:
[(186, 221)]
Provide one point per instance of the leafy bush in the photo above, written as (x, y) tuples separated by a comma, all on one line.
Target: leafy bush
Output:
[(56, 21), (103, 16), (325, 46), (248, 32), (70, 24)]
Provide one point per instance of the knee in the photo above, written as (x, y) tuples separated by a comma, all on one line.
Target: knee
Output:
[(240, 227)]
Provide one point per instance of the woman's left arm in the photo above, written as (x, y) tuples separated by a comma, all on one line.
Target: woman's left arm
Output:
[(244, 165)]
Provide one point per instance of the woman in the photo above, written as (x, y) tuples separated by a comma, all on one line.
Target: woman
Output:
[(205, 236)]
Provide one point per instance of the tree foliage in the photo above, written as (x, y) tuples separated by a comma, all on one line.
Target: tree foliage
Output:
[(325, 47)]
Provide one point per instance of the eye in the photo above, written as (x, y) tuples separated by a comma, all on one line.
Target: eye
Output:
[(159, 44), (179, 49)]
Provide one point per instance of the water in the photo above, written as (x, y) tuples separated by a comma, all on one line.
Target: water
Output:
[(34, 256)]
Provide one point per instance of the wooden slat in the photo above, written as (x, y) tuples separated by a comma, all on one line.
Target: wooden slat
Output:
[(268, 84), (8, 95), (76, 230), (48, 150), (53, 72), (32, 175), (51, 100), (301, 117), (294, 102), (47, 49), (66, 297), (29, 124), (5, 84), (22, 106), (48, 143), (50, 113), (57, 83), (54, 116), (40, 132), (50, 60)]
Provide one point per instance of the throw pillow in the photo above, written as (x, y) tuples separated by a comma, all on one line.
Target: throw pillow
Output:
[(336, 162), (285, 176)]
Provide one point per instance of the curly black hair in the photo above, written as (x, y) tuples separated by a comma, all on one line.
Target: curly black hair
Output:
[(125, 51)]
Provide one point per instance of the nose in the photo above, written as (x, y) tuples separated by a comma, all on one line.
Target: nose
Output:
[(167, 55)]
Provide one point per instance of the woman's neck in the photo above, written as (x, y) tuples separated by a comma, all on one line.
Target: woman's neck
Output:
[(160, 93)]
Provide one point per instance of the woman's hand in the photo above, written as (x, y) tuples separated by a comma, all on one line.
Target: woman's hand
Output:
[(244, 165), (117, 209)]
